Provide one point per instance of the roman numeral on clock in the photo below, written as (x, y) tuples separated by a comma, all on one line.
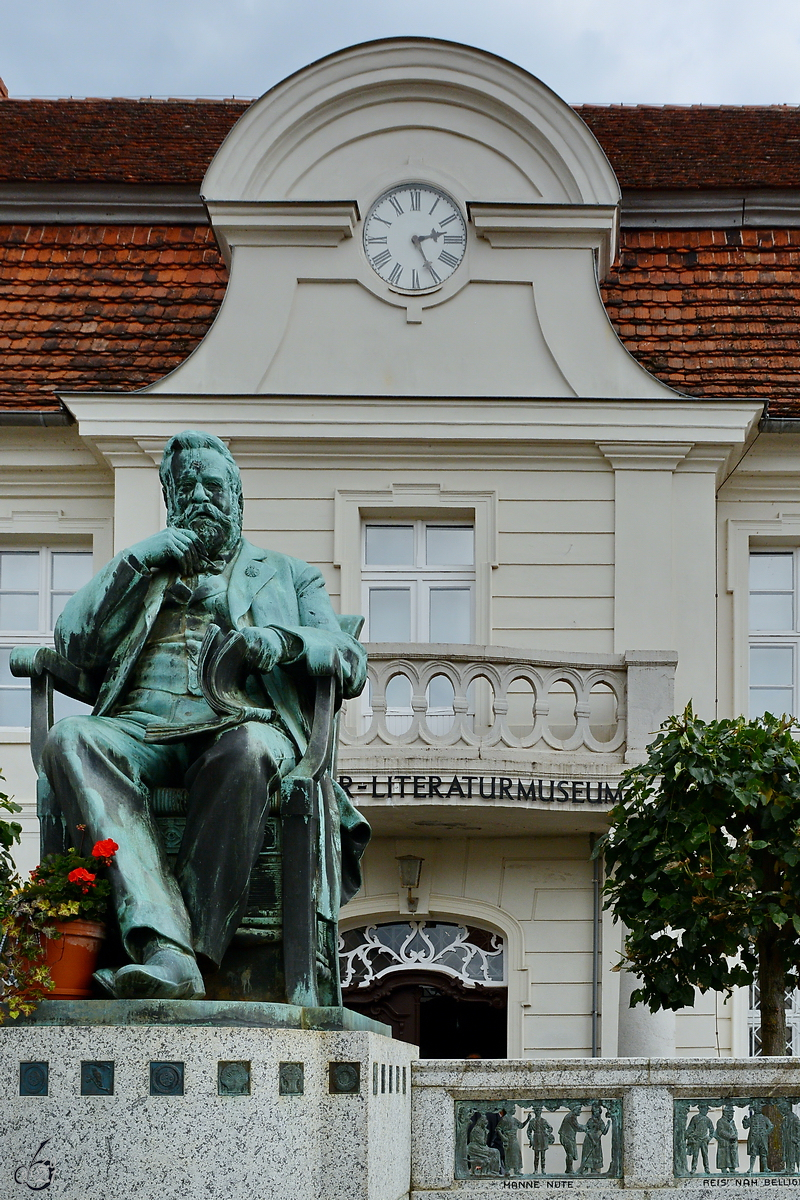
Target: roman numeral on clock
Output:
[(448, 259), (381, 259), (447, 220), (415, 201), (414, 279), (377, 241), (396, 272), (453, 239), (395, 203)]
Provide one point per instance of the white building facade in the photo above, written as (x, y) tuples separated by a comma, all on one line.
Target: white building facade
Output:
[(551, 547)]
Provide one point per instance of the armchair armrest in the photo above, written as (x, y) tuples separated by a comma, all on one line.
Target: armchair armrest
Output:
[(34, 661)]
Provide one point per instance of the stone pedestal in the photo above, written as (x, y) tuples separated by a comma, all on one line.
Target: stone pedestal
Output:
[(176, 1112)]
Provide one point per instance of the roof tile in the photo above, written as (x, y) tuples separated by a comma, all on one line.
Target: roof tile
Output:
[(107, 313)]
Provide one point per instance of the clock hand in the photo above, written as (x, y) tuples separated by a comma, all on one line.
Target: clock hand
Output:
[(416, 241), (434, 233)]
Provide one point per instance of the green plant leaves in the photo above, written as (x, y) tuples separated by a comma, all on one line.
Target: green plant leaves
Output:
[(704, 855)]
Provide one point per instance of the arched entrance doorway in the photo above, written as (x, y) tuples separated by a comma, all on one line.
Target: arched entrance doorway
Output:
[(440, 986)]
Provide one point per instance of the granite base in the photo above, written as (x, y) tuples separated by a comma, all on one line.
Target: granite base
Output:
[(199, 1112)]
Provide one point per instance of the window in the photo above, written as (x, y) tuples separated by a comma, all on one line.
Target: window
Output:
[(35, 584), (774, 633), (419, 581), (419, 586), (370, 952), (792, 1006)]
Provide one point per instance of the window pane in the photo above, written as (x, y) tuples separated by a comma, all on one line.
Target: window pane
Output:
[(398, 692), (19, 611), (65, 706), (771, 666), (15, 706), (771, 612), (450, 615), (773, 700), (19, 572), (440, 693), (770, 572), (71, 571), (449, 545), (57, 602), (390, 614), (390, 545), (5, 670)]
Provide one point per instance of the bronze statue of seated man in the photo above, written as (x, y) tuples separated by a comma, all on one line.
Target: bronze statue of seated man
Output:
[(137, 631)]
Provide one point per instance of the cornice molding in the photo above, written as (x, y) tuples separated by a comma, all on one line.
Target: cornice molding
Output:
[(281, 223), (713, 208), (522, 226), (642, 208), (383, 420), (645, 456), (100, 204)]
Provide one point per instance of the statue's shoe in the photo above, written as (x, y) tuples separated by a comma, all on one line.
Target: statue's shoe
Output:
[(169, 974)]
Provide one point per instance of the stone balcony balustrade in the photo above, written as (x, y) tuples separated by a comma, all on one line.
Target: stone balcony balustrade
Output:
[(507, 704)]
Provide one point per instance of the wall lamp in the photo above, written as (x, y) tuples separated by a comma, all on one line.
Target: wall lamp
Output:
[(410, 869)]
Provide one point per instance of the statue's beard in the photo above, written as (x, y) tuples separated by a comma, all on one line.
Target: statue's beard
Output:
[(218, 532)]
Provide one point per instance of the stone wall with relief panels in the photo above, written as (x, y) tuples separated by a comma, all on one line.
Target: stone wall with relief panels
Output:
[(651, 1127)]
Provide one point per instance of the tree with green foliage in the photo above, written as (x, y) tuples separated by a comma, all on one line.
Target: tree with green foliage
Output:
[(704, 862)]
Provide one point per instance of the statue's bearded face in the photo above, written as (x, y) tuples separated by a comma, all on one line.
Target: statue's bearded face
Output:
[(203, 497)]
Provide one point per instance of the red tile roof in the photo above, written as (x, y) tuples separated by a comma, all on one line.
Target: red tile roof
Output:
[(87, 307), (713, 312), (699, 147), (112, 141), (173, 141), (117, 307)]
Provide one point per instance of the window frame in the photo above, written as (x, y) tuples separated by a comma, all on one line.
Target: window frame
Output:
[(44, 634), (420, 578), (778, 638), (430, 501)]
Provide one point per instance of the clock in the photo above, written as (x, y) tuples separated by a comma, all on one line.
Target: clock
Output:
[(415, 237)]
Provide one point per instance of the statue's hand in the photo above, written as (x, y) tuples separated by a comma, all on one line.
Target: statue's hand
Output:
[(265, 648), (171, 545)]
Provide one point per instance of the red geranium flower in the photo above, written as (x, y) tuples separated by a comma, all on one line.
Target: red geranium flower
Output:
[(105, 849), (83, 877)]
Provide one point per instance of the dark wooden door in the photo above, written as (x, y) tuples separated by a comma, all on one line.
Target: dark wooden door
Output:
[(437, 1013)]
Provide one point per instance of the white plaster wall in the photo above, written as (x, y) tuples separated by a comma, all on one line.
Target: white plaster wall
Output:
[(706, 1029), (553, 587)]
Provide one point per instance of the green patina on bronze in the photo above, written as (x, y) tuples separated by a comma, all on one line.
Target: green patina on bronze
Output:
[(215, 670)]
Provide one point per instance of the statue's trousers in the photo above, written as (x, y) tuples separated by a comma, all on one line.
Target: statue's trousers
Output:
[(102, 772)]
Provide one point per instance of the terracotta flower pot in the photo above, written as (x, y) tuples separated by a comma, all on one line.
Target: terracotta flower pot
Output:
[(72, 958)]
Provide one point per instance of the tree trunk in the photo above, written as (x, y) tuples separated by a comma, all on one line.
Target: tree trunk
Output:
[(772, 986)]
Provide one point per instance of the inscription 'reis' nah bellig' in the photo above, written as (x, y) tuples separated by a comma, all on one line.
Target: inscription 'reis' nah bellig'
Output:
[(481, 787)]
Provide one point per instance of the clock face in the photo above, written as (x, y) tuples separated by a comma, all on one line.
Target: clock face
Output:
[(415, 237)]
